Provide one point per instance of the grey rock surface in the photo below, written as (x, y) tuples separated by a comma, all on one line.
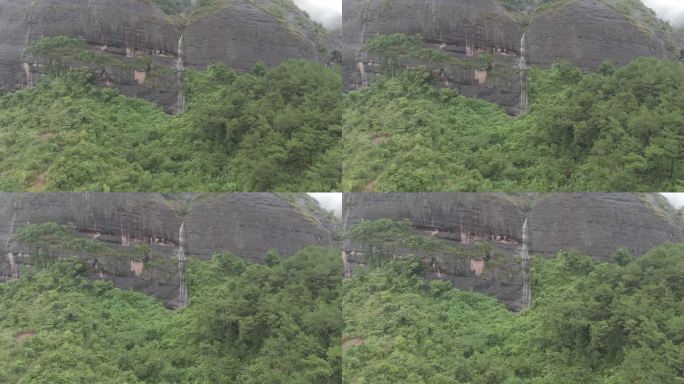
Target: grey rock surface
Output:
[(587, 33), (247, 225), (463, 28), (461, 220), (239, 33), (599, 224), (583, 32), (251, 224), (595, 224), (124, 29), (680, 42)]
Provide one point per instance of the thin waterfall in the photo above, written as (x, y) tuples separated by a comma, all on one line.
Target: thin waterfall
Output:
[(10, 256), (364, 76), (524, 106), (180, 68), (360, 65), (526, 301), (346, 266), (14, 274), (125, 238), (183, 288), (25, 66)]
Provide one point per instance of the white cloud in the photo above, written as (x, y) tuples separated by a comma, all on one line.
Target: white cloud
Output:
[(670, 10), (326, 12), (329, 12), (329, 201), (676, 199)]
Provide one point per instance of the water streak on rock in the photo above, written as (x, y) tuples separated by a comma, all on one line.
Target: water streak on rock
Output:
[(183, 288), (14, 274), (180, 68), (526, 301), (523, 75)]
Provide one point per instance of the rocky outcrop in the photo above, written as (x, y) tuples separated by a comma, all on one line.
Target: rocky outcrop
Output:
[(465, 29), (587, 33), (596, 224), (680, 42), (461, 220), (336, 43), (583, 32), (247, 225), (141, 42), (251, 224), (241, 34), (125, 30)]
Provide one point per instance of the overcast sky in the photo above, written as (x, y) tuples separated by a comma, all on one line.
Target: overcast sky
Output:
[(329, 201), (333, 201), (329, 12), (676, 199), (670, 10), (326, 12)]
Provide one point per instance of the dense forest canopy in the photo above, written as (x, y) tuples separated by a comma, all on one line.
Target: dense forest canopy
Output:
[(271, 129), (619, 129), (617, 323), (247, 323)]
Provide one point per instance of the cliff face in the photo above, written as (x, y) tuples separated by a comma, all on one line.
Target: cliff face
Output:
[(583, 32), (464, 29), (461, 220), (247, 225), (123, 29), (586, 33), (237, 33), (251, 224), (241, 34), (596, 224)]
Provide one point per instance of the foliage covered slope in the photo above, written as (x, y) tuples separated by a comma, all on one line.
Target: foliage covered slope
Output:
[(617, 130), (275, 130), (591, 323), (246, 323)]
